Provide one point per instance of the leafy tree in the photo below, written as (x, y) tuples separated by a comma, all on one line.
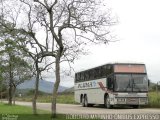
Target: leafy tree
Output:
[(21, 43), (15, 68)]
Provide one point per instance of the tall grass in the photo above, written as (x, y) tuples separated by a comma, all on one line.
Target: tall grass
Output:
[(154, 99), (62, 98)]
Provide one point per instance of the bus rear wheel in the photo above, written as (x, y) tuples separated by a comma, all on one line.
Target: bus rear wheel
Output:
[(107, 102), (85, 101)]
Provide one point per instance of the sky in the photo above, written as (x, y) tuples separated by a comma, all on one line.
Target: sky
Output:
[(138, 35)]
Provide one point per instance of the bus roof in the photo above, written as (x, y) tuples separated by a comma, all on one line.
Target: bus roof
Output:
[(112, 64)]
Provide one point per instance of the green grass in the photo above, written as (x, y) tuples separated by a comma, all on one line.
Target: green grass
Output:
[(154, 100), (16, 109), (25, 113)]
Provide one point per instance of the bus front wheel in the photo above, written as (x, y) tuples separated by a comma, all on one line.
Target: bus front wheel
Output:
[(107, 102)]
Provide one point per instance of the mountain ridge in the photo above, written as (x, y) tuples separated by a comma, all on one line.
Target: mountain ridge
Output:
[(44, 86)]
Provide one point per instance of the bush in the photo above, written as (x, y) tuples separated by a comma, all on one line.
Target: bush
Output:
[(31, 92), (154, 99)]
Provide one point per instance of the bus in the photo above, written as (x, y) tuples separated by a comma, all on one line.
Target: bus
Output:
[(112, 84)]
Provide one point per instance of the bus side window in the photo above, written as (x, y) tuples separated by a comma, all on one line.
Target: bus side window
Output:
[(110, 83)]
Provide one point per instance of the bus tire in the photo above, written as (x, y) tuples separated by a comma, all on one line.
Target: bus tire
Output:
[(81, 97), (107, 102), (90, 105), (85, 101), (135, 106)]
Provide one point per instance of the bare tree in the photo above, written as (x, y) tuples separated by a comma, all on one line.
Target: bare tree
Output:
[(67, 25), (38, 61)]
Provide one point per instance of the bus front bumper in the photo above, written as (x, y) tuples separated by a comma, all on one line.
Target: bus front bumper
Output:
[(131, 101)]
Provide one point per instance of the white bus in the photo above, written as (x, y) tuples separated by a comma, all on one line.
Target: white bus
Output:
[(112, 84)]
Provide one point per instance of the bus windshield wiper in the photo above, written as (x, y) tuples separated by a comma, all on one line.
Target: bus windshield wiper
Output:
[(128, 86)]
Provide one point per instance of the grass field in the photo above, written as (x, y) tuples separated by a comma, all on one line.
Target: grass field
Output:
[(16, 112), (23, 113)]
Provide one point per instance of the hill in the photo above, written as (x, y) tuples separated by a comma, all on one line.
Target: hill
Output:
[(69, 90), (44, 86)]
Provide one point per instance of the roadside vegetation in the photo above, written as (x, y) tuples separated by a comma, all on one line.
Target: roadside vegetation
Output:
[(62, 98), (68, 98), (154, 100), (154, 96)]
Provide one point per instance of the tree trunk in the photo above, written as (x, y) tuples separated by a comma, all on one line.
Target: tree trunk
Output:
[(10, 95), (1, 92), (14, 95), (56, 85), (10, 81), (34, 105)]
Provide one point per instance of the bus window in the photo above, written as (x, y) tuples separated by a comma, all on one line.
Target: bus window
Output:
[(81, 76), (110, 82), (86, 75)]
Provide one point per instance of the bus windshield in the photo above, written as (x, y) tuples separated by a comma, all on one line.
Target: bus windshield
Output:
[(131, 82)]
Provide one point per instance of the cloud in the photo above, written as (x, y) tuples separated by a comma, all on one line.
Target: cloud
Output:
[(139, 35)]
